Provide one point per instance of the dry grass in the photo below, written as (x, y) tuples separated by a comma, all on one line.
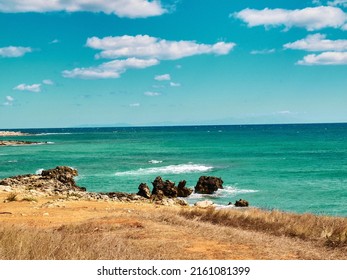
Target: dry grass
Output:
[(330, 230), (12, 197), (87, 230)]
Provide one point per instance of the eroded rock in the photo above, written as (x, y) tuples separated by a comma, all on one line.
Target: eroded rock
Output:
[(208, 185)]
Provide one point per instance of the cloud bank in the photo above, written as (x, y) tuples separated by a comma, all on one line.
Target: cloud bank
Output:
[(12, 51), (314, 18), (317, 42), (146, 46), (25, 87), (121, 8), (140, 52), (112, 69), (326, 58)]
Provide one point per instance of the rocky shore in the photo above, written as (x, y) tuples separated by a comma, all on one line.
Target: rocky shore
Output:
[(19, 143), (16, 142), (59, 183), (13, 133)]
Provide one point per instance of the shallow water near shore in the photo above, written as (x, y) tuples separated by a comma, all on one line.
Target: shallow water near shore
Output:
[(299, 168)]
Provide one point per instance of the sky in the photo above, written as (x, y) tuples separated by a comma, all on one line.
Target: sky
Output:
[(68, 63)]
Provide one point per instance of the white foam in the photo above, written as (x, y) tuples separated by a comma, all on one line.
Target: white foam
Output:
[(227, 191), (170, 169), (38, 171), (13, 161), (153, 161), (53, 133)]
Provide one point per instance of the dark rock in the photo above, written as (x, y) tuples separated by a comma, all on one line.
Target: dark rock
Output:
[(167, 187), (63, 174), (144, 190), (182, 190), (159, 195), (208, 185), (241, 203)]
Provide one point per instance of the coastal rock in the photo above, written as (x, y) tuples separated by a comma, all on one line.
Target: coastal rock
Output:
[(18, 143), (182, 190), (144, 190), (60, 182), (167, 187), (208, 185), (126, 197), (241, 203), (172, 202), (13, 133), (59, 179), (204, 204)]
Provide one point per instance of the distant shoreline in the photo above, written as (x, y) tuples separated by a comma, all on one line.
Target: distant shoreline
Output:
[(19, 143), (13, 133)]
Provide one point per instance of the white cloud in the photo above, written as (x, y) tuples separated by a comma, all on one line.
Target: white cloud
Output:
[(325, 58), (111, 69), (310, 18), (9, 98), (164, 77), (134, 105), (9, 101), (145, 46), (173, 84), (265, 51), (25, 87), (317, 42), (152, 93), (48, 82), (140, 51), (12, 51), (121, 8), (342, 3), (55, 41)]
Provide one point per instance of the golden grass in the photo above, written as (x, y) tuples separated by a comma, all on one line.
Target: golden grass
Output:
[(331, 230), (85, 230)]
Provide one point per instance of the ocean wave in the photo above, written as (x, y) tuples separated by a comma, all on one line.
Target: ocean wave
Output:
[(227, 191), (12, 161), (170, 169), (153, 161), (53, 133), (38, 171)]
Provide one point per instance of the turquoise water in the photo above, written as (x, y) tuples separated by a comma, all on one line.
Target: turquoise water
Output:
[(298, 168)]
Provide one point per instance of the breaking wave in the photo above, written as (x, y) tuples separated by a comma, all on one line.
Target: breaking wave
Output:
[(227, 191), (153, 161), (170, 169)]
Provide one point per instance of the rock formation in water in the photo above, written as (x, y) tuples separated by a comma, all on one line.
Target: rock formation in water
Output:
[(208, 185)]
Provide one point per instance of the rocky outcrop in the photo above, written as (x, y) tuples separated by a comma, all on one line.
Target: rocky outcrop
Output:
[(182, 190), (144, 191), (60, 182), (13, 133), (58, 179), (241, 203), (204, 204), (208, 185), (19, 143), (167, 187)]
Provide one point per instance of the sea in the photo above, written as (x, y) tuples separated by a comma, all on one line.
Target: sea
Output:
[(299, 168)]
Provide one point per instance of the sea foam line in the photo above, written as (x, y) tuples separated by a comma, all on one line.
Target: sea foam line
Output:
[(227, 191), (170, 169)]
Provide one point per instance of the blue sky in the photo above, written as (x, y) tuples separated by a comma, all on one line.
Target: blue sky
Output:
[(100, 62)]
